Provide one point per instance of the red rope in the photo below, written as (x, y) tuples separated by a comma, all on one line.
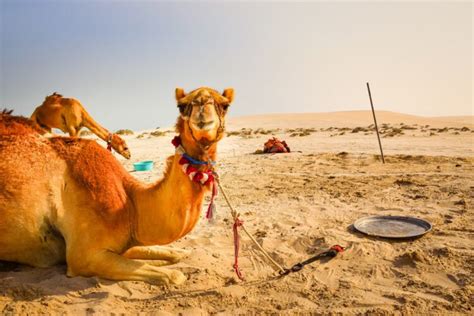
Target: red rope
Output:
[(337, 248), (210, 208), (198, 176), (237, 223)]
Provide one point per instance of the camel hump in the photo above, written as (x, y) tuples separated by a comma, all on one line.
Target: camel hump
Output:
[(96, 170), (17, 125), (69, 103)]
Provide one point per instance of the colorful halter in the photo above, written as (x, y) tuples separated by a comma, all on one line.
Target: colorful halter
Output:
[(202, 177), (109, 141)]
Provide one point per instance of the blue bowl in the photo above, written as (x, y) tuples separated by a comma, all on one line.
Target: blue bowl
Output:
[(143, 165)]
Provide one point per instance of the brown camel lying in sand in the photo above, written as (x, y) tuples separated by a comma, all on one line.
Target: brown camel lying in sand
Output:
[(68, 199), (69, 116)]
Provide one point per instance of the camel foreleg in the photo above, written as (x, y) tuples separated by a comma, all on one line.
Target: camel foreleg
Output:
[(159, 253), (72, 131), (156, 263), (112, 266)]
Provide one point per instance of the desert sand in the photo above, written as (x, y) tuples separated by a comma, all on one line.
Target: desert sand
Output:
[(297, 205)]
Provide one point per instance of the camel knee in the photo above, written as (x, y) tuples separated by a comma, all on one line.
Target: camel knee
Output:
[(78, 267)]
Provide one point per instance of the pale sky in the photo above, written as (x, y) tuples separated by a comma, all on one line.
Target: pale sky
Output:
[(124, 59)]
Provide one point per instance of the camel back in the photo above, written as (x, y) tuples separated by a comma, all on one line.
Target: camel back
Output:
[(96, 170), (92, 166), (17, 125)]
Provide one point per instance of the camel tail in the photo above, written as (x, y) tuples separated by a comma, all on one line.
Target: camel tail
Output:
[(37, 122), (33, 116)]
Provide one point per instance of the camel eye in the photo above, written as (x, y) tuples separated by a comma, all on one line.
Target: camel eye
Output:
[(225, 107), (182, 108)]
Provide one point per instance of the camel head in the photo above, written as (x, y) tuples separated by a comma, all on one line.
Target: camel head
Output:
[(120, 146), (202, 115), (54, 96)]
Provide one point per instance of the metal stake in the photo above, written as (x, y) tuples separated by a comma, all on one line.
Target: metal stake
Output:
[(375, 121)]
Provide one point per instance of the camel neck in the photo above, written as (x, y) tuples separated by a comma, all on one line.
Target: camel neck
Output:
[(195, 152), (96, 128), (169, 209)]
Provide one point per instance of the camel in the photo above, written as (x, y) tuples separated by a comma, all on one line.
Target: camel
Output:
[(68, 115), (68, 200)]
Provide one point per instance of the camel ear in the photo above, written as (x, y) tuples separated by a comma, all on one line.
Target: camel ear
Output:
[(229, 94), (179, 94)]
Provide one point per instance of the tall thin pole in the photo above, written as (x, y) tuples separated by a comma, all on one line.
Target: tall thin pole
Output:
[(375, 121)]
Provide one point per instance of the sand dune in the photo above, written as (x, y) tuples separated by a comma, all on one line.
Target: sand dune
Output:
[(297, 205), (344, 119)]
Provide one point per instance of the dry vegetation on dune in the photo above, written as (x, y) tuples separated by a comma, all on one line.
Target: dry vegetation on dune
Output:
[(85, 132), (250, 133), (124, 132), (385, 130), (155, 133)]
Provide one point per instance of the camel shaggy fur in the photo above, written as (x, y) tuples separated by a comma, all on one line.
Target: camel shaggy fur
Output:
[(68, 200), (69, 116)]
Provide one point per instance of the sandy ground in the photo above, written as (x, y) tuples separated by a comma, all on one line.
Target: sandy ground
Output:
[(297, 205)]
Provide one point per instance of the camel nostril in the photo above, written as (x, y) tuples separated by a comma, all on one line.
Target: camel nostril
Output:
[(202, 124)]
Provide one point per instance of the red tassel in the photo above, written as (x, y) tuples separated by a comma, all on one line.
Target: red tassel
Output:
[(211, 208), (190, 169), (198, 177), (176, 141), (210, 179)]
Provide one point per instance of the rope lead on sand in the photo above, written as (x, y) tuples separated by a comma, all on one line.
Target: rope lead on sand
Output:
[(235, 216), (331, 253), (235, 228)]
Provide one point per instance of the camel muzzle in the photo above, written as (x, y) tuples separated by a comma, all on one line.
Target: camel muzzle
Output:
[(206, 126)]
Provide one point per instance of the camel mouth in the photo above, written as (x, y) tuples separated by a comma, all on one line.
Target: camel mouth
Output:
[(205, 142)]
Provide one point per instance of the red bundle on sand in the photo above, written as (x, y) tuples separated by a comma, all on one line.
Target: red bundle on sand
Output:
[(274, 145)]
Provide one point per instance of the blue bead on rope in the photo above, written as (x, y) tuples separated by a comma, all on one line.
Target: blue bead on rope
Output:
[(197, 162)]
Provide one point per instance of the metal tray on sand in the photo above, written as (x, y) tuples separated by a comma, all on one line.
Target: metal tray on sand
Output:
[(392, 226)]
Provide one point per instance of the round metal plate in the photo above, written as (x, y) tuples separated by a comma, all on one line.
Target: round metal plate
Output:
[(392, 226)]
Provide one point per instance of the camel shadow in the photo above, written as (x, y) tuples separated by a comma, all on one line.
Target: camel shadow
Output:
[(212, 291), (24, 283)]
